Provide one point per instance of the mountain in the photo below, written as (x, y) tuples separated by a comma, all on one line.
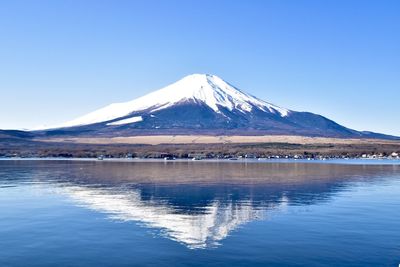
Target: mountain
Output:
[(8, 135), (201, 104)]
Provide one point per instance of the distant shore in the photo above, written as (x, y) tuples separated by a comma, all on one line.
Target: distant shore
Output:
[(356, 161), (201, 147)]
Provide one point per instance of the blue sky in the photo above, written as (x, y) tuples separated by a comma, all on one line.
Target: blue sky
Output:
[(62, 59)]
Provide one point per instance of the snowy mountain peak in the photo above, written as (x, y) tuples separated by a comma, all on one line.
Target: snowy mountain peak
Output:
[(201, 104), (206, 89), (220, 93)]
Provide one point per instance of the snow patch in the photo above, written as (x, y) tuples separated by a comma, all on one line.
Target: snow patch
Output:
[(126, 121)]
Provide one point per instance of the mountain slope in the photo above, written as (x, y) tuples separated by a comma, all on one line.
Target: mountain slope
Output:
[(206, 89), (6, 135), (201, 104)]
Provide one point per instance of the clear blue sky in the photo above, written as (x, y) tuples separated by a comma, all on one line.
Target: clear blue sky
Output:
[(62, 59)]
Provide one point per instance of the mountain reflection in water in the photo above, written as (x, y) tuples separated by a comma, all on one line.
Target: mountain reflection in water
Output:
[(196, 203)]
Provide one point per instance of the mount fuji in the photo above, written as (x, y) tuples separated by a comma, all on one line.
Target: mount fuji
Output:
[(201, 104)]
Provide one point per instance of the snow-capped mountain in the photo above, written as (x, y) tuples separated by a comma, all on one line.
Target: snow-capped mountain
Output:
[(209, 90), (200, 104)]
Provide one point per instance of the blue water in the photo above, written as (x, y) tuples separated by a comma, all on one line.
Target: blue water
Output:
[(88, 213)]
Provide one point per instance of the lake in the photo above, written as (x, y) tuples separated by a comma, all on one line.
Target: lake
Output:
[(128, 213)]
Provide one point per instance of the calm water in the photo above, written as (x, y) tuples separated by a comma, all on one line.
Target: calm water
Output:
[(77, 213)]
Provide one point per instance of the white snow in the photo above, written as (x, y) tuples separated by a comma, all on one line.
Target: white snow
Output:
[(127, 121), (208, 89)]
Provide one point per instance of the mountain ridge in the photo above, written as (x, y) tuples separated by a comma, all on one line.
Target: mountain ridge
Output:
[(202, 104)]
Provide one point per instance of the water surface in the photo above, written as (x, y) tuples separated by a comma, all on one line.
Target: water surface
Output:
[(88, 213)]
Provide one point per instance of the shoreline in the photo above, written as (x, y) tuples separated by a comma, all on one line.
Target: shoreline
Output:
[(266, 147), (350, 161)]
